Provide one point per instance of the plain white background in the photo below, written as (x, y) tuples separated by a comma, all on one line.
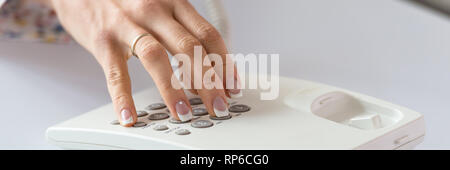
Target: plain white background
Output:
[(388, 49)]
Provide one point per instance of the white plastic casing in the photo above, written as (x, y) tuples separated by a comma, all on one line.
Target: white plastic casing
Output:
[(306, 115)]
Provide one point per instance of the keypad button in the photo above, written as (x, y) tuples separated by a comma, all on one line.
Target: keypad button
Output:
[(220, 118), (182, 132), (202, 124), (199, 112), (175, 121), (195, 101), (158, 116), (156, 106), (140, 124), (115, 122), (141, 113), (160, 127), (239, 108)]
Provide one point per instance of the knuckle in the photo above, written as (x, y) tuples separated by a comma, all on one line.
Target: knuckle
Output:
[(104, 36), (115, 76), (105, 32), (150, 5), (207, 33), (120, 17), (187, 43), (103, 45), (150, 50), (120, 98), (115, 11)]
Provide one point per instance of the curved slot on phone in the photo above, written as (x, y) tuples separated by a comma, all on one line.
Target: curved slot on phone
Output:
[(343, 108)]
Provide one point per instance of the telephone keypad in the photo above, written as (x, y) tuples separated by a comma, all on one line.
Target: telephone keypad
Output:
[(159, 111)]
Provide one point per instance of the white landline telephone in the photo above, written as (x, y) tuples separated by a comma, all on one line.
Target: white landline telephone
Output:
[(306, 115)]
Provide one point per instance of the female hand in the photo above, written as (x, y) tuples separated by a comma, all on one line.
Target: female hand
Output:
[(107, 28)]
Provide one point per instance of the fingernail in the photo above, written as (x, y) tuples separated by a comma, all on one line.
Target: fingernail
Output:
[(220, 108), (183, 111), (127, 118), (236, 92)]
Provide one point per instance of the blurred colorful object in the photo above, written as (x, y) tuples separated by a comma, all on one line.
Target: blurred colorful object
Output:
[(30, 21)]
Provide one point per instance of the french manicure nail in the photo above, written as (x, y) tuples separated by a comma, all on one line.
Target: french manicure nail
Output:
[(236, 92), (220, 108), (127, 118), (183, 111)]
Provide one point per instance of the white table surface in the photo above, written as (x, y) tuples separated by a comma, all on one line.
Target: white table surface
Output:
[(388, 49)]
